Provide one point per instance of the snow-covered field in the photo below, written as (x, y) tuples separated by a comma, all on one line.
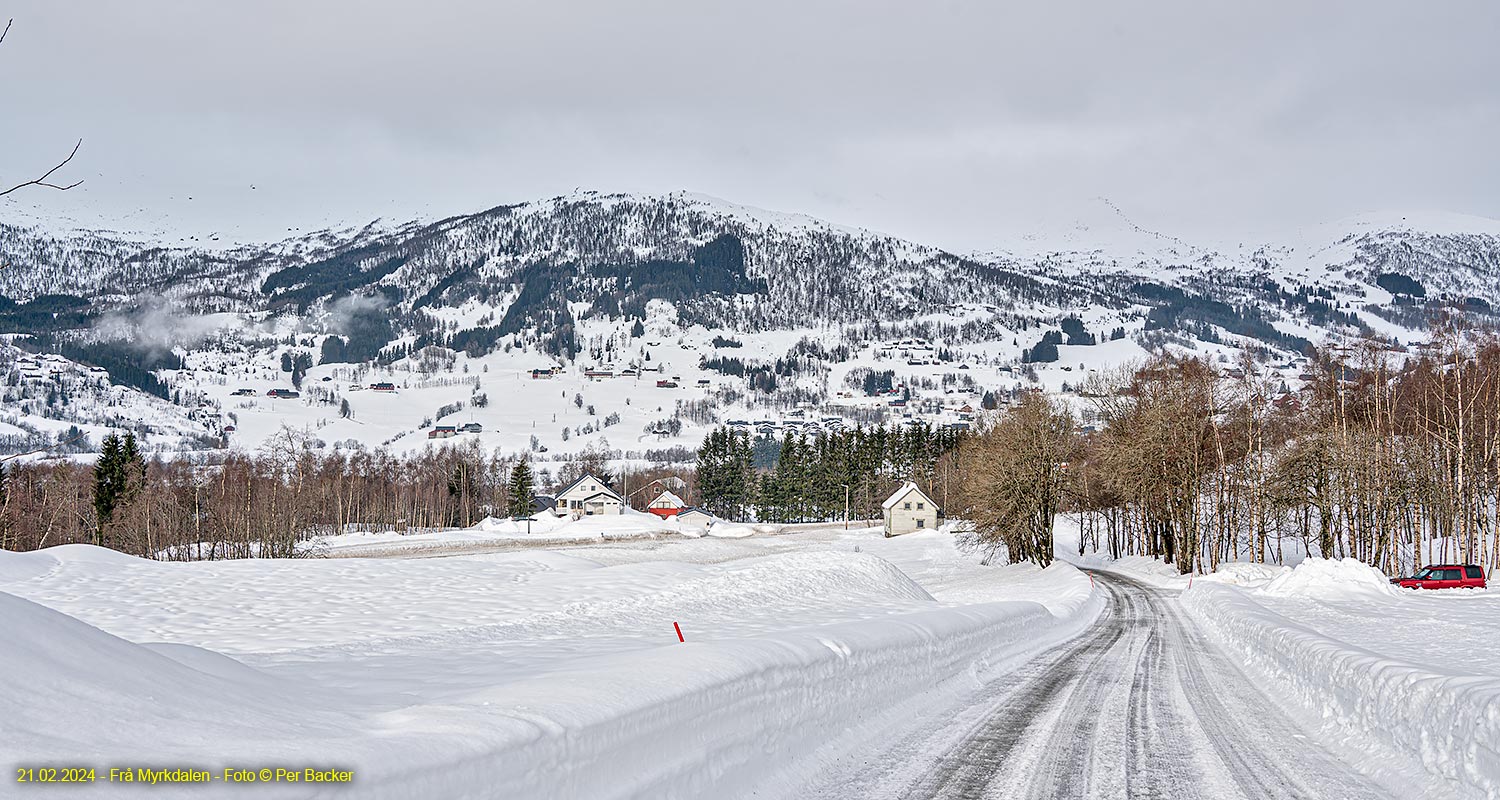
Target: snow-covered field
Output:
[(1411, 679), (536, 673), (497, 534), (547, 664)]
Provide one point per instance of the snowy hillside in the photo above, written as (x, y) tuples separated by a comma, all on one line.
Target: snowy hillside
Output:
[(664, 316)]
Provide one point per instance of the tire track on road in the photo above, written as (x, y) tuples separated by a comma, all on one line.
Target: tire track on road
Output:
[(1141, 707)]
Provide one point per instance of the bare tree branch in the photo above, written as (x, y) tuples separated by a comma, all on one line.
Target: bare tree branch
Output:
[(42, 181)]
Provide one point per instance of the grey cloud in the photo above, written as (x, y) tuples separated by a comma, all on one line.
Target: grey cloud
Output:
[(958, 123)]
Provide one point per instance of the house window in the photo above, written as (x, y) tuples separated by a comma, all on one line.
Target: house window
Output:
[(921, 523), (921, 506), (908, 507)]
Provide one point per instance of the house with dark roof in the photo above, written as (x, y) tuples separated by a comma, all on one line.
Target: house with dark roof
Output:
[(588, 496)]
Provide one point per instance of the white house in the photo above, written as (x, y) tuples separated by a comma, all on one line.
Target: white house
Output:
[(909, 509), (588, 496)]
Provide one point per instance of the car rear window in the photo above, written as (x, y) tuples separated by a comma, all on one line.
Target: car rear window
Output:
[(1474, 572)]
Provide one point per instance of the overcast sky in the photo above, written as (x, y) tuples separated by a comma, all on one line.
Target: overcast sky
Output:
[(954, 123)]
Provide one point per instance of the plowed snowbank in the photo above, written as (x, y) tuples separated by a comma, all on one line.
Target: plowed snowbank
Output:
[(1353, 652), (1329, 578)]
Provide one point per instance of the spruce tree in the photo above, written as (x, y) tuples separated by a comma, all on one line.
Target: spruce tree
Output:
[(132, 470), (710, 471), (108, 479), (767, 506), (715, 476), (783, 490), (742, 456), (520, 489)]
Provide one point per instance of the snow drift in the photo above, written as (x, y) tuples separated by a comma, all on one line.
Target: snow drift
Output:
[(1330, 578), (71, 684), (531, 674)]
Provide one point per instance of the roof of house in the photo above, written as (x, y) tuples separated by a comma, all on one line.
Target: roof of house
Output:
[(670, 498), (909, 486), (588, 477)]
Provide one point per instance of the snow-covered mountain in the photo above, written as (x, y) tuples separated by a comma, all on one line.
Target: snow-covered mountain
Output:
[(753, 309)]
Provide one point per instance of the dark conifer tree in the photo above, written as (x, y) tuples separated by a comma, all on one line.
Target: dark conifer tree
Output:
[(520, 489), (109, 476)]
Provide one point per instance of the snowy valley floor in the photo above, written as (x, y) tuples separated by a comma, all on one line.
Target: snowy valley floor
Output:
[(817, 663), (535, 673)]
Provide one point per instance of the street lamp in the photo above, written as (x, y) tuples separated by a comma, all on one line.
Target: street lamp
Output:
[(846, 506)]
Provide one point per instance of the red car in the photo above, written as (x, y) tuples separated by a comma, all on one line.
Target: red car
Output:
[(1445, 576)]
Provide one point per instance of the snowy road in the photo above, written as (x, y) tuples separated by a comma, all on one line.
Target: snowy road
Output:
[(1141, 706)]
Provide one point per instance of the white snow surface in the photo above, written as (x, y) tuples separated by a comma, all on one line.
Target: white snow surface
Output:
[(1410, 676), (534, 673), (497, 533), (1329, 578)]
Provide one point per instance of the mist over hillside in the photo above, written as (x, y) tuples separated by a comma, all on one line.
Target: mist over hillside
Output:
[(627, 285)]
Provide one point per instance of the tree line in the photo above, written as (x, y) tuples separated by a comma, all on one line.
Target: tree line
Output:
[(1390, 458), (817, 477), (266, 503)]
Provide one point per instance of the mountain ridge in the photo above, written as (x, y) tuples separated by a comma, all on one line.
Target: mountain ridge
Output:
[(743, 311), (596, 251)]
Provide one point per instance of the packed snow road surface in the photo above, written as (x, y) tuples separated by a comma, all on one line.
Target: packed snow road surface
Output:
[(1141, 706)]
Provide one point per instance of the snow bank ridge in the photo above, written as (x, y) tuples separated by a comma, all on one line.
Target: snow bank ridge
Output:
[(38, 563), (706, 722), (1449, 723), (73, 675), (1330, 578)]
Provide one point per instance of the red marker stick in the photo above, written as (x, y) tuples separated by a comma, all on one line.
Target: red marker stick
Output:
[(678, 628)]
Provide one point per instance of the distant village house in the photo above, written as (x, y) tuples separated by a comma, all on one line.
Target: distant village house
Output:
[(587, 497), (909, 509), (665, 505)]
